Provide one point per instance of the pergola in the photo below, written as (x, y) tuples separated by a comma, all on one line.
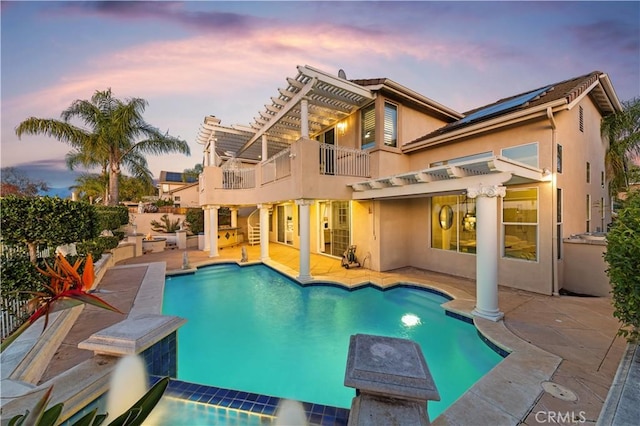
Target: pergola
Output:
[(310, 102)]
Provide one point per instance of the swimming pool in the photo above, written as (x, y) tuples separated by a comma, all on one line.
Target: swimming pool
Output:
[(252, 329)]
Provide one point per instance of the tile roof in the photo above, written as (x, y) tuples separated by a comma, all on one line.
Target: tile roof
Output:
[(568, 90)]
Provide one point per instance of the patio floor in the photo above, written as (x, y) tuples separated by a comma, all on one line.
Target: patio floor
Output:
[(580, 330)]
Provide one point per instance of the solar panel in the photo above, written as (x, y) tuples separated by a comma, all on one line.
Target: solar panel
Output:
[(503, 106)]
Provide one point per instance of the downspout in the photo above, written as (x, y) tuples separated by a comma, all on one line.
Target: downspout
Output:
[(554, 203)]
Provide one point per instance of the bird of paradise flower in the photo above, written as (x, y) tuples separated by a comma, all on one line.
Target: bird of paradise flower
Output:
[(66, 288)]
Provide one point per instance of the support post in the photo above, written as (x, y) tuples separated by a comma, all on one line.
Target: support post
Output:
[(213, 231), (305, 240), (487, 249), (264, 231), (304, 119), (265, 148)]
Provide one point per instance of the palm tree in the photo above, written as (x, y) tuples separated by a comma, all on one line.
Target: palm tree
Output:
[(117, 136), (622, 129)]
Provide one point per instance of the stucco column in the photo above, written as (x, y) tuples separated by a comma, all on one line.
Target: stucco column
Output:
[(234, 216), (304, 118), (487, 249), (305, 240), (207, 227), (264, 231), (265, 148), (213, 231)]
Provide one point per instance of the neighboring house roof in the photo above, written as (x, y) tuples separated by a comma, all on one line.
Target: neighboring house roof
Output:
[(183, 188), (558, 95), (176, 177)]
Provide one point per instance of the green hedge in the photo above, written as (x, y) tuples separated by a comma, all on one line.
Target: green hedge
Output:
[(195, 220), (623, 257), (112, 217)]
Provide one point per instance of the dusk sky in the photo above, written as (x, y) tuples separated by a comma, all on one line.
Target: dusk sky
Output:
[(192, 59)]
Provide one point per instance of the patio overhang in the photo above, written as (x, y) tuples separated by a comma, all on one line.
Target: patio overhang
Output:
[(330, 99), (496, 170)]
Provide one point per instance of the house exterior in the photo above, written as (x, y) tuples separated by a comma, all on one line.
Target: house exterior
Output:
[(179, 188), (488, 194)]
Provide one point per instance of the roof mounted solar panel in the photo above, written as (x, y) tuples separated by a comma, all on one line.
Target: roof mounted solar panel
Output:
[(503, 106)]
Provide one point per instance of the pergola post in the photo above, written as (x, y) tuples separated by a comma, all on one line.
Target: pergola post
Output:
[(304, 118), (265, 150)]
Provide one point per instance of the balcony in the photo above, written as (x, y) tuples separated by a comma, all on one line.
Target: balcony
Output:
[(307, 169)]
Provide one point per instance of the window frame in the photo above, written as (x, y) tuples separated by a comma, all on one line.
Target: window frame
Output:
[(394, 132), (536, 225), (368, 109), (537, 155)]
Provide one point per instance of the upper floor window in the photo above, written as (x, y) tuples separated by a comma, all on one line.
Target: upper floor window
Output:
[(527, 154), (559, 158), (581, 118), (390, 124), (588, 172), (368, 120), (462, 159)]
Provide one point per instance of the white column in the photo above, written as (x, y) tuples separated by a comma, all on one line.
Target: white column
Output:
[(265, 150), (213, 231), (264, 231), (207, 227), (212, 152), (305, 240), (304, 118), (234, 216), (487, 249)]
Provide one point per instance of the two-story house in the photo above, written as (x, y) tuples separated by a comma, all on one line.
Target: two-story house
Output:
[(487, 194)]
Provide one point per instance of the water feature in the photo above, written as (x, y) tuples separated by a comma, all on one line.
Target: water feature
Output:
[(252, 329)]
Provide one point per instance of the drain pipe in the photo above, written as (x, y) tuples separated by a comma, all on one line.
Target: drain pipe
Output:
[(554, 203)]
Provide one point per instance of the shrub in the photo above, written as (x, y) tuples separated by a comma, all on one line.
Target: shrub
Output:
[(97, 246), (112, 217), (623, 252), (46, 221), (195, 220)]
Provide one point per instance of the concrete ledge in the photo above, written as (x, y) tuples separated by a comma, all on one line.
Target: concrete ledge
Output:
[(621, 406), (132, 336)]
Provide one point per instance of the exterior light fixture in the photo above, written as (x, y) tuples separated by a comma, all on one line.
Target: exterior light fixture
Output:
[(342, 127)]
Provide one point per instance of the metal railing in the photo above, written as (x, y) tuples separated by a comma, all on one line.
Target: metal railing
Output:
[(14, 312), (340, 161), (277, 167)]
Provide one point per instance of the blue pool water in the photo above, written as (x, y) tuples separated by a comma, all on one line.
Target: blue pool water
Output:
[(253, 329)]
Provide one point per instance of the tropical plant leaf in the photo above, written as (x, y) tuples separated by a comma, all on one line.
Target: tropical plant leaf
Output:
[(33, 417), (143, 407), (87, 419), (51, 415)]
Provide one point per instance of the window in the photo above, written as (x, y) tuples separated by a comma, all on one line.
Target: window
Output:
[(520, 223), (581, 118), (589, 227), (602, 179), (176, 198), (559, 222), (602, 213), (368, 120), (527, 154), (588, 172), (390, 124), (462, 159), (453, 223), (559, 158)]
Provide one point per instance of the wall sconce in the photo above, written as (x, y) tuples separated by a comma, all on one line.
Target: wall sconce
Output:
[(342, 127), (546, 172)]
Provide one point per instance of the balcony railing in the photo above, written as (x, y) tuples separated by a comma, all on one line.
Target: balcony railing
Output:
[(240, 178), (340, 161), (277, 167)]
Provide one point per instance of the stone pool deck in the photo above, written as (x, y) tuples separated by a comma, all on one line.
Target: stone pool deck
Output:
[(569, 342)]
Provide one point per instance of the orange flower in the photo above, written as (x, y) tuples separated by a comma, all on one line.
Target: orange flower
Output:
[(66, 288)]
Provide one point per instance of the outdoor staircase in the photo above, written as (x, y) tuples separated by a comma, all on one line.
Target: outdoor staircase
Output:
[(253, 222)]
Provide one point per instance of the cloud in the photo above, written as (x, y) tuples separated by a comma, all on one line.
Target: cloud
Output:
[(54, 172)]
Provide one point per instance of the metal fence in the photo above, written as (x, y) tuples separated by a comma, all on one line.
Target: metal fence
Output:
[(14, 312)]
